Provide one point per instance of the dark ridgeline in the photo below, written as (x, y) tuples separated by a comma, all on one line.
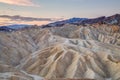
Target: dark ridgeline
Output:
[(111, 20)]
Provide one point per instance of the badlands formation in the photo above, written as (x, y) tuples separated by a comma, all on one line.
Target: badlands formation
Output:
[(67, 52)]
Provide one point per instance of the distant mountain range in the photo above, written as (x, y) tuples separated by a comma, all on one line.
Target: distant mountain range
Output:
[(114, 19), (10, 28), (69, 21)]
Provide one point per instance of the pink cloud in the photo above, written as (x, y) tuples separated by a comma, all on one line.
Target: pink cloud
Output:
[(9, 20), (4, 21), (20, 2)]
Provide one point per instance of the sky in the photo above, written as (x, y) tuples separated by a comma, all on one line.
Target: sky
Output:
[(46, 11)]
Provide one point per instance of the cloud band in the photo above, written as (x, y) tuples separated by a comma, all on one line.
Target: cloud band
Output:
[(19, 2)]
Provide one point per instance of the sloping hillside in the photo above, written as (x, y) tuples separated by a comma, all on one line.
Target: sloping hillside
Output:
[(70, 51)]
